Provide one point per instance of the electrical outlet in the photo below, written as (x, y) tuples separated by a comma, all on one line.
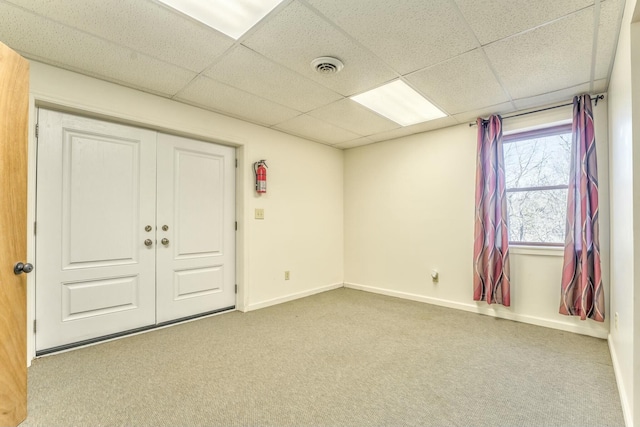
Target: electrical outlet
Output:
[(615, 321), (259, 213), (287, 275)]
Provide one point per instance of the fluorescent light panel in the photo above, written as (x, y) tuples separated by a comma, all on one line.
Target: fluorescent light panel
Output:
[(231, 17), (398, 102)]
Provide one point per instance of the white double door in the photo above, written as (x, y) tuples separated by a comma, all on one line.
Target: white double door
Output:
[(134, 228)]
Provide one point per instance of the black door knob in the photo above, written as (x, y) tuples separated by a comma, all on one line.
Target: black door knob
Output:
[(20, 268)]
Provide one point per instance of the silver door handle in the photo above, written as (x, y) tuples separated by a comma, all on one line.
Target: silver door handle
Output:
[(148, 242), (164, 241), (20, 268)]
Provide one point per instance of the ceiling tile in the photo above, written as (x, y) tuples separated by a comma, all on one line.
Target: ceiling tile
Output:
[(471, 116), (546, 59), (492, 20), (407, 34), (562, 95), (246, 69), (315, 129), (296, 36), (608, 29), (350, 115), (461, 84), (417, 128), (354, 143), (59, 45), (216, 96), (141, 26)]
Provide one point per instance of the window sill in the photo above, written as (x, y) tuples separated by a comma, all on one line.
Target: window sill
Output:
[(557, 251)]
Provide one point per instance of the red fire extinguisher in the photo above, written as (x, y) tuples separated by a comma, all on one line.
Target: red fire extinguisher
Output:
[(260, 169)]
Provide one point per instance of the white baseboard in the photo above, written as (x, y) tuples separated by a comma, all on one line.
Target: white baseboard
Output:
[(624, 397), (291, 297), (548, 323)]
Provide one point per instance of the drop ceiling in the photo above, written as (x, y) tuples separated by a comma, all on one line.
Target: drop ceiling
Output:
[(468, 57)]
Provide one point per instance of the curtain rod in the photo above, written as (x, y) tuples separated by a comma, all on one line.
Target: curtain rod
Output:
[(541, 109)]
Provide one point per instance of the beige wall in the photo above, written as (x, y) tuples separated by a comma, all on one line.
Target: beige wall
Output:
[(303, 229), (409, 208), (623, 167)]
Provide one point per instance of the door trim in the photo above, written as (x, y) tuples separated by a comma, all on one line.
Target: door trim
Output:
[(31, 219)]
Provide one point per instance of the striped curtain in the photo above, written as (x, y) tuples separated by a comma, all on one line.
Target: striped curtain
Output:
[(491, 244), (582, 291)]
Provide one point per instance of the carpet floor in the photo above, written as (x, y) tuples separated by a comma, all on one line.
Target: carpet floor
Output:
[(339, 358)]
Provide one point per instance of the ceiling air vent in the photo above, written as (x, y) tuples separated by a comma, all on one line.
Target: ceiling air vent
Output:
[(327, 65)]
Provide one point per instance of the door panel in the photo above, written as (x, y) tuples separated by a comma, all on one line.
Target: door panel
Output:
[(96, 194), (101, 229), (14, 108), (98, 297), (198, 189), (196, 201), (198, 282)]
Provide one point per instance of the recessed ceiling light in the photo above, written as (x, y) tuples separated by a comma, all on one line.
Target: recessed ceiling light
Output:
[(231, 17), (398, 102)]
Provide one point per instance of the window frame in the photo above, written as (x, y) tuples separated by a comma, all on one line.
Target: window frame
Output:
[(517, 136)]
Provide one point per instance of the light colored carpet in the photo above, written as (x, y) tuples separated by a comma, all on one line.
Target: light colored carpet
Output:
[(340, 358)]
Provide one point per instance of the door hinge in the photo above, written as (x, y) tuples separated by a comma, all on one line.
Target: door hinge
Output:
[(236, 225), (37, 130), (35, 324), (236, 288), (35, 227), (236, 163)]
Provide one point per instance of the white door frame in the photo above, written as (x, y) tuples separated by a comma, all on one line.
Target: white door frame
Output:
[(77, 106)]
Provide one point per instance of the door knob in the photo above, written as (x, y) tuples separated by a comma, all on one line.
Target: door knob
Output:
[(148, 242), (20, 268), (164, 241), (165, 227), (148, 228)]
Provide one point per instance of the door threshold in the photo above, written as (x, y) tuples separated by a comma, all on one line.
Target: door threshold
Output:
[(129, 332)]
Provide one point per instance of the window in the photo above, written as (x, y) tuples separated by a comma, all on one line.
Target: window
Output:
[(537, 167)]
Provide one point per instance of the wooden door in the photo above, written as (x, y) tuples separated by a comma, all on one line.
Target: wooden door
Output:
[(14, 113), (95, 211), (196, 215)]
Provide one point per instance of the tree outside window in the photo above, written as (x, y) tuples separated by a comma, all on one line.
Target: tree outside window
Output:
[(537, 166)]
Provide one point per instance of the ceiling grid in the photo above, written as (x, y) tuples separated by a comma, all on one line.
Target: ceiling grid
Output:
[(467, 57)]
